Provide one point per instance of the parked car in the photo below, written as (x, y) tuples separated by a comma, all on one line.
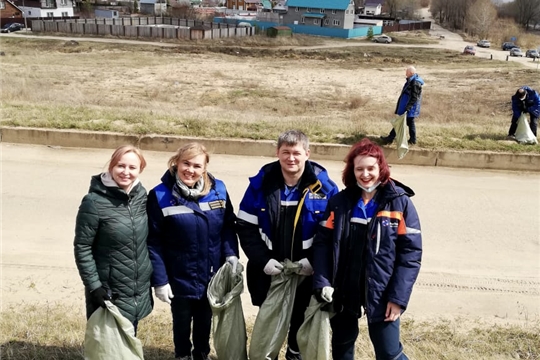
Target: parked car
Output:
[(516, 52), (383, 39), (483, 43), (508, 45), (533, 53), (10, 27), (469, 50)]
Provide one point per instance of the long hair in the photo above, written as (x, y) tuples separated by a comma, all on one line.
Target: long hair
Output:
[(187, 152), (365, 147), (123, 150)]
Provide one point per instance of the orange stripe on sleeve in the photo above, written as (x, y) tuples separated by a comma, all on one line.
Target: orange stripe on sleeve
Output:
[(330, 221)]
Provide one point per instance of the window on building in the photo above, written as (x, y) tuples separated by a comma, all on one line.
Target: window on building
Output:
[(303, 20), (336, 22), (2, 5), (64, 14), (308, 9), (322, 11), (29, 13), (50, 14), (326, 21), (295, 9), (315, 21), (334, 12), (63, 2)]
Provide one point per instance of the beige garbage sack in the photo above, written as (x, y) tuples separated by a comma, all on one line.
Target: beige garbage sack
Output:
[(228, 324), (274, 317), (313, 337), (400, 126), (109, 335), (524, 135)]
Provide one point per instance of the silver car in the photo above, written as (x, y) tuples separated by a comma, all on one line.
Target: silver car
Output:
[(483, 43), (383, 39), (516, 52)]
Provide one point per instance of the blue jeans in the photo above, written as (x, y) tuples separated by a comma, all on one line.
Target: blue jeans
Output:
[(183, 311), (412, 131), (384, 337)]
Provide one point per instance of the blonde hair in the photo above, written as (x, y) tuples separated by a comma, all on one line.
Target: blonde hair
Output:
[(123, 150), (189, 151)]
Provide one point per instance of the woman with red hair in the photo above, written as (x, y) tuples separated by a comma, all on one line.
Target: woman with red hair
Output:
[(367, 254)]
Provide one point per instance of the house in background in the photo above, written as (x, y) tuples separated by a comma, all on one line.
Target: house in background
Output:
[(373, 7), (323, 13), (153, 7), (46, 8), (8, 10)]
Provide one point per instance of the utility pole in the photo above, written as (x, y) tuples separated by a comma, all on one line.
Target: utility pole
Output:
[(24, 16)]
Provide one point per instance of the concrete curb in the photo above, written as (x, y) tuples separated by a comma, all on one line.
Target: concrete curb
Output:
[(109, 140)]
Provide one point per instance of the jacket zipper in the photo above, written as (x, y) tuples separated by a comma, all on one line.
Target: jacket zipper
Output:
[(135, 256)]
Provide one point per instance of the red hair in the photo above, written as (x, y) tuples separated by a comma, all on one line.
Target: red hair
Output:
[(365, 147)]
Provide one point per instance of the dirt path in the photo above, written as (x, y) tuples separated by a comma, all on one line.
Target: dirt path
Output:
[(480, 228)]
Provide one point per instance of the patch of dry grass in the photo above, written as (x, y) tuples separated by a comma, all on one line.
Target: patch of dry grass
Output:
[(56, 332), (334, 95)]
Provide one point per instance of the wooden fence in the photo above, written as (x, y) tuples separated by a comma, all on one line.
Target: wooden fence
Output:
[(421, 25), (144, 27)]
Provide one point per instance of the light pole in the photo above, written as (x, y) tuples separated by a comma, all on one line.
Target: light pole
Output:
[(24, 16)]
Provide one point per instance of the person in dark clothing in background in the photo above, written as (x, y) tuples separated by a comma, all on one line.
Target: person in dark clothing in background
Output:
[(525, 100), (367, 254), (409, 102), (278, 218)]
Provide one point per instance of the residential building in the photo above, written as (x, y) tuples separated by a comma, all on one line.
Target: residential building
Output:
[(46, 8), (9, 10), (322, 13), (373, 7)]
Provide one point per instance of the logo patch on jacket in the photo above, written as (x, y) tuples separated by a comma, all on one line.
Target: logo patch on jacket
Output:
[(316, 196), (216, 204)]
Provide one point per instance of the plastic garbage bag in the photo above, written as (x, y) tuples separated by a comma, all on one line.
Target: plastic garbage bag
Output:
[(229, 327), (524, 135), (400, 126), (313, 337), (274, 317), (109, 335)]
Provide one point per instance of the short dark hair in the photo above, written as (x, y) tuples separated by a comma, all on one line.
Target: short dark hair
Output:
[(292, 138), (521, 93), (365, 147)]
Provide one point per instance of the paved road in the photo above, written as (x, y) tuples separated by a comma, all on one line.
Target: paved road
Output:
[(481, 230)]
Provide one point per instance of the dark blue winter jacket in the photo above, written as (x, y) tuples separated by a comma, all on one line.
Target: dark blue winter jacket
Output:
[(258, 220), (411, 97), (531, 104), (189, 239), (394, 249)]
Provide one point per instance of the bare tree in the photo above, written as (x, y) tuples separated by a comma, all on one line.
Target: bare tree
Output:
[(392, 7), (480, 18), (527, 11)]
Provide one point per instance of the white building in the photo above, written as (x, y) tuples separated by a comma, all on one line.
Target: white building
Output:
[(46, 8)]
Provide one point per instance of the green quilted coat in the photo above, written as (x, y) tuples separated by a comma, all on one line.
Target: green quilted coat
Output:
[(110, 247)]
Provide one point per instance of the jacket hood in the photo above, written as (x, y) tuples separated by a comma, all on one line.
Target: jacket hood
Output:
[(417, 77), (394, 188)]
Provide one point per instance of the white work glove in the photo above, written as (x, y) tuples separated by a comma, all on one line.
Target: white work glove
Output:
[(233, 260), (307, 269), (164, 293), (326, 293), (273, 267)]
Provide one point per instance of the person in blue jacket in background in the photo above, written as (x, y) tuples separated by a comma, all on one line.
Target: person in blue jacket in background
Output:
[(278, 218), (525, 100), (191, 234), (367, 254), (410, 101)]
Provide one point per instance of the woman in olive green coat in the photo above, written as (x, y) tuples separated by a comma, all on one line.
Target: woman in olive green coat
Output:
[(110, 238)]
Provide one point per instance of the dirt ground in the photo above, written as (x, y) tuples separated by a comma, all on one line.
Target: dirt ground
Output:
[(481, 229)]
